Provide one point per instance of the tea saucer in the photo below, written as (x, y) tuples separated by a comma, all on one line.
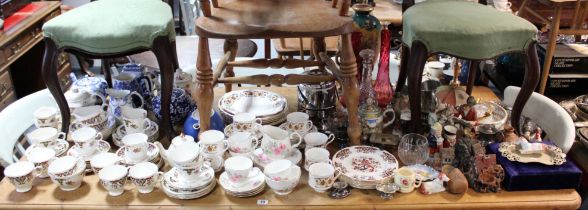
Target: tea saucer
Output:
[(229, 131), (102, 146), (152, 155), (255, 179), (192, 194), (60, 147), (172, 179), (260, 159), (120, 132)]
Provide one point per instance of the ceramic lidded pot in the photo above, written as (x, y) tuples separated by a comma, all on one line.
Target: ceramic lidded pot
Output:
[(192, 123), (92, 85), (180, 107), (366, 33)]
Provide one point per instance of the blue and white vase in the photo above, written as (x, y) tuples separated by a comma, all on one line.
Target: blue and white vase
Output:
[(181, 105)]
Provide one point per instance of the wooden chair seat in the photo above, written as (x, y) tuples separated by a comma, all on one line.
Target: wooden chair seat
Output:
[(291, 46), (258, 19)]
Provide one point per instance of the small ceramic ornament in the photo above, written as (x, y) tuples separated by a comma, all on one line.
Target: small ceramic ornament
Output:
[(434, 186)]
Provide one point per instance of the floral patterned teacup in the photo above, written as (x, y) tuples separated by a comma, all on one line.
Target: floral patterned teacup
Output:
[(242, 142), (63, 167), (102, 160), (21, 175), (239, 169), (45, 137), (85, 140), (321, 176), (285, 186), (298, 122), (135, 120), (213, 142), (316, 155), (276, 142), (136, 145), (113, 178), (245, 122), (41, 157), (46, 117), (278, 170), (72, 181), (145, 176), (316, 139), (406, 179)]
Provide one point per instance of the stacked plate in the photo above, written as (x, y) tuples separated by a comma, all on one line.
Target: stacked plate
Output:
[(268, 106), (250, 187), (175, 186), (152, 133)]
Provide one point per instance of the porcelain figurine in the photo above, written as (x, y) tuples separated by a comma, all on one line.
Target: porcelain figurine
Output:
[(434, 186), (435, 138), (181, 105), (192, 123)]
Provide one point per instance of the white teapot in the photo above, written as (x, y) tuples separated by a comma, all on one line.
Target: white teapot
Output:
[(183, 152), (79, 98)]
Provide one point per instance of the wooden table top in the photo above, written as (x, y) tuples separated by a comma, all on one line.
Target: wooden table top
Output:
[(388, 12), (46, 195)]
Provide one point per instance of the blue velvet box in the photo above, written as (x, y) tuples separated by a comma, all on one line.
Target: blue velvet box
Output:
[(536, 176)]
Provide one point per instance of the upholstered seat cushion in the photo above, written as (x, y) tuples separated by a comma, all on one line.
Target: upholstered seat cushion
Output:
[(466, 29), (112, 26)]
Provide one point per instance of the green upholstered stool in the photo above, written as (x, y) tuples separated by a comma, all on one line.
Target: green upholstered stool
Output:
[(465, 30), (108, 29)]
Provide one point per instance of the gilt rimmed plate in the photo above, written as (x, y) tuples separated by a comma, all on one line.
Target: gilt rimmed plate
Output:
[(258, 102), (365, 166), (551, 155)]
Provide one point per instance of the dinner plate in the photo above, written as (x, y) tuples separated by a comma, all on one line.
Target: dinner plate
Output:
[(365, 166), (261, 103)]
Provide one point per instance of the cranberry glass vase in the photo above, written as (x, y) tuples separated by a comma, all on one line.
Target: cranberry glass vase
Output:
[(383, 87)]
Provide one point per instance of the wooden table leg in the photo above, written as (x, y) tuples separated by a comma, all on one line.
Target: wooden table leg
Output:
[(529, 85), (550, 48), (416, 64), (204, 92), (404, 54), (350, 88), (162, 48), (49, 73), (473, 70), (230, 45), (105, 67)]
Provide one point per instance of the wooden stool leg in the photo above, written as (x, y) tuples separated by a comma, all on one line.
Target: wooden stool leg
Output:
[(473, 70), (105, 67), (416, 63), (550, 48), (350, 88), (175, 55), (404, 54), (230, 45), (162, 49), (204, 92), (529, 85), (49, 73), (85, 66)]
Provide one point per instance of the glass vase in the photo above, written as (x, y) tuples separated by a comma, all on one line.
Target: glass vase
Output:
[(383, 87)]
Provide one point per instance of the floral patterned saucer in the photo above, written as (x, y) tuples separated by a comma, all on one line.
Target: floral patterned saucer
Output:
[(365, 167), (60, 147), (176, 183), (251, 185), (551, 155), (120, 132), (260, 159), (261, 103), (102, 146), (193, 194), (152, 155), (229, 131)]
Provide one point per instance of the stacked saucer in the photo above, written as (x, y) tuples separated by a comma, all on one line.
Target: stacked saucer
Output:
[(152, 132), (152, 156), (254, 185), (176, 185), (101, 147), (268, 106)]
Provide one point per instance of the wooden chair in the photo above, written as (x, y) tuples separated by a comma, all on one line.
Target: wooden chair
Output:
[(125, 27), (465, 30), (15, 120), (577, 28), (271, 19), (549, 115), (289, 47)]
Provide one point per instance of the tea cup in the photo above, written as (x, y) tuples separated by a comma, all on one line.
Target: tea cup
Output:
[(213, 142), (245, 121), (136, 146), (321, 176), (316, 155), (186, 156), (242, 142), (135, 120), (41, 158), (85, 139), (145, 176), (21, 175), (316, 139), (63, 166), (287, 185), (298, 121), (406, 179), (278, 169), (46, 136), (46, 116), (113, 179), (239, 169), (72, 181), (216, 161), (90, 115), (99, 161)]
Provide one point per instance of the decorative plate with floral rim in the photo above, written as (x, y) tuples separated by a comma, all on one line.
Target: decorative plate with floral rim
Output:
[(365, 166), (261, 103), (551, 155)]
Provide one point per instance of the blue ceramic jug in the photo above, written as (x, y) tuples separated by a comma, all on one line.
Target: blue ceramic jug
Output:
[(192, 124)]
